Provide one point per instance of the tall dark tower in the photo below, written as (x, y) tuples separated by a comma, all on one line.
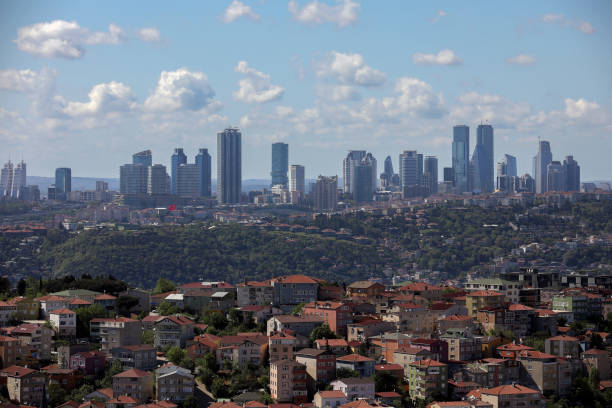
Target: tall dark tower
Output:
[(229, 166)]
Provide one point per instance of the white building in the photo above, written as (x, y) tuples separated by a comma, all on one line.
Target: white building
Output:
[(63, 322)]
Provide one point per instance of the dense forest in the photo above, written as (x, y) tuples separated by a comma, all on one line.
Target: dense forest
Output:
[(227, 252)]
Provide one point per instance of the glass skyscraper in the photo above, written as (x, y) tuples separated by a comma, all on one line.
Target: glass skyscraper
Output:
[(430, 174), (203, 161), (354, 156), (145, 158), (280, 163), (177, 159), (461, 157), (63, 183), (229, 166), (541, 162), (483, 158)]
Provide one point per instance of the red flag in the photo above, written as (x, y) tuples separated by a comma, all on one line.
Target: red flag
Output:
[(172, 207)]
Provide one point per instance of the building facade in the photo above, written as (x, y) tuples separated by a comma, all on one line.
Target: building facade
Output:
[(229, 166)]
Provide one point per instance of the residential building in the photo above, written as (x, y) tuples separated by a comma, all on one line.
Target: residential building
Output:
[(479, 299), (337, 315), (242, 350), (329, 399), (599, 359), (302, 325), (407, 355), (456, 322), (427, 378), (563, 346), (229, 166), (140, 356), (177, 158), (541, 162), (364, 289), (281, 346), (297, 182), (520, 319), (27, 309), (355, 388), (255, 293), (575, 303), (337, 346), (24, 385), (436, 346), (115, 332), (88, 362), (288, 381), (51, 302), (35, 339), (63, 322), (173, 383), (10, 351), (134, 383), (294, 289), (462, 345), (173, 331), (508, 288), (540, 370), (320, 366), (326, 193), (7, 312), (512, 396), (356, 362), (461, 157), (411, 318), (389, 343), (360, 331)]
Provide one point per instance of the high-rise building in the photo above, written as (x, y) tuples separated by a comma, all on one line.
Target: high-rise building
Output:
[(361, 179), (177, 159), (510, 163), (296, 178), (133, 179), (461, 157), (145, 158), (12, 179), (101, 185), (541, 162), (388, 165), (157, 180), (449, 175), (353, 156), (409, 168), (430, 174), (372, 162), (387, 177), (572, 174), (527, 184), (555, 174), (506, 173), (280, 163), (63, 183), (204, 163), (485, 149), (229, 166), (326, 193), (188, 180)]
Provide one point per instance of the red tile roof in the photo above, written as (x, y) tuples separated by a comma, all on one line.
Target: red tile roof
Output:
[(77, 301), (563, 337), (113, 319), (62, 311), (332, 342), (388, 367), (481, 293), (133, 373), (428, 363), (17, 371), (519, 306), (332, 394), (513, 389), (352, 358), (104, 296), (296, 279)]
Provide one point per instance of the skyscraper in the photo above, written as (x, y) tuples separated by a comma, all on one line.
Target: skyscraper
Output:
[(409, 171), (296, 178), (510, 163), (188, 180), (541, 162), (12, 179), (388, 166), (177, 159), (229, 166), (572, 174), (485, 147), (280, 163), (157, 180), (449, 175), (555, 176), (63, 183), (204, 163), (430, 174), (353, 156), (133, 179), (326, 193), (361, 179), (145, 158), (461, 157), (387, 177)]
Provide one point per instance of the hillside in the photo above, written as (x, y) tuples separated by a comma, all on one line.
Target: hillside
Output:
[(231, 253)]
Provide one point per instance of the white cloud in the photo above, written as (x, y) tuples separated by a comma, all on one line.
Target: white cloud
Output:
[(345, 12), (583, 26), (473, 107), (256, 87), (579, 108), (342, 93), (350, 69), (149, 34), (181, 90), (418, 97), (238, 9), (444, 57), (104, 98), (438, 16), (26, 80), (520, 59)]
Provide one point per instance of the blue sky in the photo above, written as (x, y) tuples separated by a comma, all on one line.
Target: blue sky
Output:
[(325, 76)]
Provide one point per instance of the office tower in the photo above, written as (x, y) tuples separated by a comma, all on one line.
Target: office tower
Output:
[(296, 178), (188, 180), (13, 178), (420, 169), (29, 193), (387, 177), (229, 166), (145, 158), (388, 165), (510, 163), (449, 175), (369, 158), (484, 152), (354, 156), (280, 163), (204, 163), (541, 162), (177, 159), (461, 157), (326, 193), (101, 185), (430, 174), (555, 175), (572, 174), (503, 179), (157, 180), (409, 172), (527, 184), (63, 183), (133, 179), (361, 180)]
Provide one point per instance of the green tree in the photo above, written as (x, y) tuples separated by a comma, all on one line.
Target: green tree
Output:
[(218, 388), (57, 395), (346, 373), (147, 337), (85, 315), (163, 286), (175, 354), (190, 402), (386, 382), (124, 304), (297, 310), (21, 287), (166, 308), (322, 332)]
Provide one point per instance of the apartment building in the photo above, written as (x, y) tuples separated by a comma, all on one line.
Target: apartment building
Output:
[(134, 383), (336, 315), (288, 381), (140, 356), (173, 383), (173, 331), (427, 378), (24, 385), (512, 396), (115, 332)]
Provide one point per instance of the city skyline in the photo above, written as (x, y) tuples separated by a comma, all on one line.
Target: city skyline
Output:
[(329, 87)]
